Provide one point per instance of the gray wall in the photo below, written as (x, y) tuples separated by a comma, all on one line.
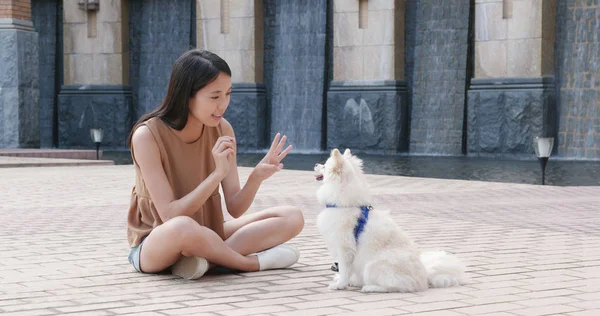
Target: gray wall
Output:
[(505, 115), (578, 73), (298, 66), (294, 67), (19, 88), (160, 31), (82, 107), (436, 65), (247, 113), (45, 20), (369, 118)]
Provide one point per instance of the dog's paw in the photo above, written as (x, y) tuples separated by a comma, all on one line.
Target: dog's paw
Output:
[(337, 285), (373, 289), (443, 282), (355, 281)]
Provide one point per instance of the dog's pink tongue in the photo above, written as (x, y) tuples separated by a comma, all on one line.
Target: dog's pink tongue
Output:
[(319, 177)]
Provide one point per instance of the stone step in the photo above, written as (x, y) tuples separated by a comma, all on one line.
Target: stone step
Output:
[(15, 162), (51, 153)]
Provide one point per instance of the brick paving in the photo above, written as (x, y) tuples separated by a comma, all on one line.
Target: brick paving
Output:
[(51, 153), (20, 161), (531, 250)]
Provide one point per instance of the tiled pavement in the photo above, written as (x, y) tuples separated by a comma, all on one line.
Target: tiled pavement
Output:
[(51, 153), (14, 162), (531, 250)]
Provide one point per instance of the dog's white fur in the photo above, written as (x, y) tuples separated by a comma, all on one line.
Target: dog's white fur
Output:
[(384, 259)]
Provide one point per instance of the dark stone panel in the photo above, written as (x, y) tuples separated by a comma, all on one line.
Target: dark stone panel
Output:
[(577, 70), (81, 108), (436, 48), (8, 58), (20, 90), (505, 115), (9, 104), (29, 117), (46, 16), (368, 118), (247, 113), (294, 63), (156, 40)]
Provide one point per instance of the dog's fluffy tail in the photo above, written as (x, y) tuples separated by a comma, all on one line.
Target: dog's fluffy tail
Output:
[(443, 269)]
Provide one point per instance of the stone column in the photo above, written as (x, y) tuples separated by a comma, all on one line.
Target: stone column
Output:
[(19, 77), (96, 91), (46, 16), (367, 99), (296, 45), (233, 29), (512, 97), (578, 79)]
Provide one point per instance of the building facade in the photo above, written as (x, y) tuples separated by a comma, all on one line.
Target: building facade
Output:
[(420, 77)]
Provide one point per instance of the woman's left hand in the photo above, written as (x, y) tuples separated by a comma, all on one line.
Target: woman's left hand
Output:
[(271, 163)]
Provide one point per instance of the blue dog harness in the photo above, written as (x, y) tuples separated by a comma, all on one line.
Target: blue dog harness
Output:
[(362, 219)]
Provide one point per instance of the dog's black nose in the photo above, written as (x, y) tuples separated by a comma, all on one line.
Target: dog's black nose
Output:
[(316, 165)]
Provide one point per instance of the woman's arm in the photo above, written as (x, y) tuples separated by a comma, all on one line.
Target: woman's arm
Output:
[(147, 156), (237, 200)]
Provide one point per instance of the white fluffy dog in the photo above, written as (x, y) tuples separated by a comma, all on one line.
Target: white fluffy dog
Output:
[(372, 251)]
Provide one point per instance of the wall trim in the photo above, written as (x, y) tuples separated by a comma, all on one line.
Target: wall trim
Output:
[(512, 83), (380, 85), (245, 87), (89, 89), (16, 24)]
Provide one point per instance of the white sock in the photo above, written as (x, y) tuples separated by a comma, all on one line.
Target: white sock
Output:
[(278, 257)]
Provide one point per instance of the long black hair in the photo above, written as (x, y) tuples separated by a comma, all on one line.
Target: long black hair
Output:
[(191, 72)]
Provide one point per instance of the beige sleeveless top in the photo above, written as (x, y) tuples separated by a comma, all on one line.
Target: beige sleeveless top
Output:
[(186, 166)]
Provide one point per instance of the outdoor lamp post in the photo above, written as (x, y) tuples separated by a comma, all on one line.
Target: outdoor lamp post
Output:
[(543, 149), (97, 134)]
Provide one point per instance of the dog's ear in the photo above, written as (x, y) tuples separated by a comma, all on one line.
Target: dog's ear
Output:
[(335, 153), (338, 159), (347, 152)]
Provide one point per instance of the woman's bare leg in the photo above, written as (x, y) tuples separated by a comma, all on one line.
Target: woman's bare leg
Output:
[(248, 234), (184, 236), (262, 230)]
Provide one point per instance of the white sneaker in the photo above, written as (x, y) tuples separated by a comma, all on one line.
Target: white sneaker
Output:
[(278, 257), (190, 268), (292, 248)]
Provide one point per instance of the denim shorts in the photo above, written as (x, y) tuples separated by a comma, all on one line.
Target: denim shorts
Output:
[(134, 255)]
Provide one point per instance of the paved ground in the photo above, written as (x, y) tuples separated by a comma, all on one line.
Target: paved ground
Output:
[(531, 250), (51, 153), (13, 162)]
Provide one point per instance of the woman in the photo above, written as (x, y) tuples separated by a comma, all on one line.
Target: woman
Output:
[(182, 152)]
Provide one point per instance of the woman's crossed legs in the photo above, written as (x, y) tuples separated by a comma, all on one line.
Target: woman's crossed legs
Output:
[(248, 234)]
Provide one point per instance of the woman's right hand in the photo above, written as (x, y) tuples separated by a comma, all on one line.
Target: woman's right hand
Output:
[(223, 149)]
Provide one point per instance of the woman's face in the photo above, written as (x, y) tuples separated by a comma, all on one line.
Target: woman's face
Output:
[(209, 103)]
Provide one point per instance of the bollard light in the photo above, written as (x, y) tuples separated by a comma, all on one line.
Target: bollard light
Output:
[(543, 149), (97, 134)]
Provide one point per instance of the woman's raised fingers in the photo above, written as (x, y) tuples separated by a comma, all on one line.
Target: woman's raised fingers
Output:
[(284, 153), (280, 144), (274, 143)]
